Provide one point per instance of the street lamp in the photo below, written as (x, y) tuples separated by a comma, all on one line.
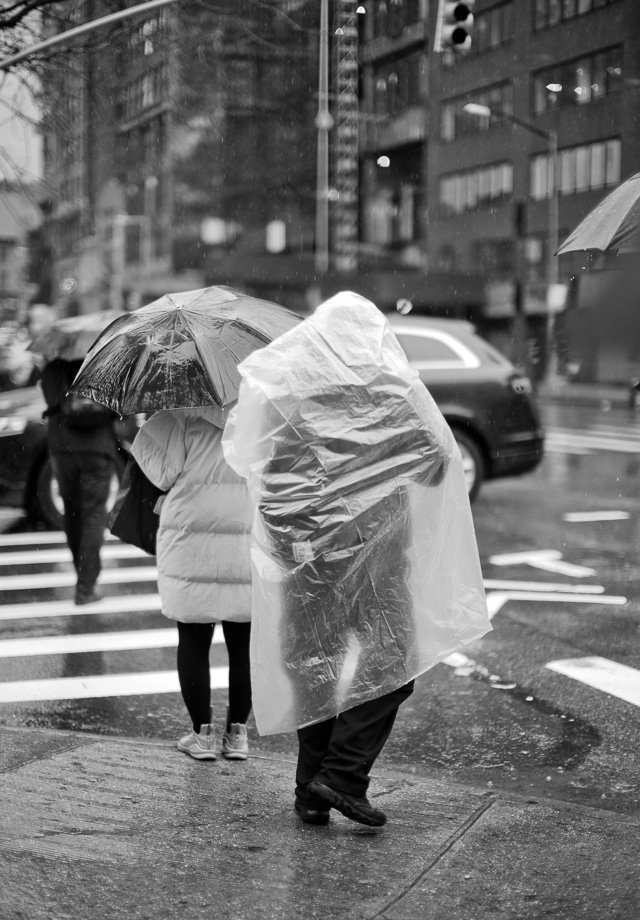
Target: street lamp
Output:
[(551, 137)]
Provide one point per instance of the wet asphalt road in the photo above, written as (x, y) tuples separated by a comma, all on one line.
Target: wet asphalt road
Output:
[(503, 717)]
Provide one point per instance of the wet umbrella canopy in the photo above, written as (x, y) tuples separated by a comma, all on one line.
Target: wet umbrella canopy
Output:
[(180, 351), (71, 338), (611, 226)]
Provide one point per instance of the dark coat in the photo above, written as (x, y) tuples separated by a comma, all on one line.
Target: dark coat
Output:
[(56, 380)]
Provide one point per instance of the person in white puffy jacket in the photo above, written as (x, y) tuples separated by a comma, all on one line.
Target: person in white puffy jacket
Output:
[(204, 570)]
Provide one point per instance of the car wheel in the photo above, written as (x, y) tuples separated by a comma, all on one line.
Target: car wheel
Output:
[(472, 461), (48, 504)]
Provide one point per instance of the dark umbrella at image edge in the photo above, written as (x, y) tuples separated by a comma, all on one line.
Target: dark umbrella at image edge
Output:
[(613, 225), (181, 351)]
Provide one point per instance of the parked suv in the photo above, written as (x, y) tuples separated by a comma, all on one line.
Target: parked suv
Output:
[(26, 479), (486, 401)]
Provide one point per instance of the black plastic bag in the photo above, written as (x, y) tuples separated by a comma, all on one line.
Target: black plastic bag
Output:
[(133, 519)]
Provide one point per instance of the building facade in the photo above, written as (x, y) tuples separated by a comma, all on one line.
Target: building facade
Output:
[(183, 150)]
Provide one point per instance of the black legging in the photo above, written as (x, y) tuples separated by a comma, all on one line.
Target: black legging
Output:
[(194, 644)]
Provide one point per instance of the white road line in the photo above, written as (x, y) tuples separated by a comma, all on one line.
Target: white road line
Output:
[(564, 447), (68, 579), (578, 517), (103, 685), (62, 554), (94, 642), (43, 537), (496, 584), (618, 680), (573, 439), (497, 599), (120, 603), (549, 560)]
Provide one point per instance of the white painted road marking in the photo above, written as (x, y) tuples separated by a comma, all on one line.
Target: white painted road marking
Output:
[(68, 579), (506, 585), (572, 441), (103, 685), (119, 603), (62, 554), (618, 680), (44, 537), (550, 560), (578, 517), (94, 642), (497, 599)]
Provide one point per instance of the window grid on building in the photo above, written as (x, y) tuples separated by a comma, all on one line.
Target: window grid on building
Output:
[(549, 13), (398, 85), (493, 28), (582, 80), (475, 188), (580, 169), (454, 121), (391, 17)]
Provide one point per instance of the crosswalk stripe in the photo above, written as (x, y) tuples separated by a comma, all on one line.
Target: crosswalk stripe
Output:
[(618, 680), (575, 440), (579, 517), (68, 579), (94, 642), (497, 584), (42, 537), (50, 556), (119, 603), (102, 685)]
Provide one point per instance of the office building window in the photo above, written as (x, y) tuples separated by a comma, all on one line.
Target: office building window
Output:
[(494, 27), (581, 80), (549, 13), (455, 122), (475, 188), (580, 169), (399, 84), (391, 17)]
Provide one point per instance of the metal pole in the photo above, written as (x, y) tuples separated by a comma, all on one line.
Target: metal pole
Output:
[(324, 123), (552, 262)]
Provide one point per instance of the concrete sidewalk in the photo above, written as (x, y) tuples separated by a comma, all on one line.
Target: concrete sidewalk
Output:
[(99, 827)]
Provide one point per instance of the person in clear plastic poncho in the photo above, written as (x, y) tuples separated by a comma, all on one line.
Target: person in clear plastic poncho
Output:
[(364, 560)]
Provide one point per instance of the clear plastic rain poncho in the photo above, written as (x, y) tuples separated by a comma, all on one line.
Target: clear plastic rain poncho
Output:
[(364, 558)]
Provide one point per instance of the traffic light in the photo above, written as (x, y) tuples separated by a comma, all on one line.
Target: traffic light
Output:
[(454, 25)]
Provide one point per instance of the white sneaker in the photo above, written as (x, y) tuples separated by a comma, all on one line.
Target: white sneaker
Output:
[(235, 744), (202, 746)]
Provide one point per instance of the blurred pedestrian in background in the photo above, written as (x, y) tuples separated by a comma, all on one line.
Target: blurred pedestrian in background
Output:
[(204, 572), (82, 447)]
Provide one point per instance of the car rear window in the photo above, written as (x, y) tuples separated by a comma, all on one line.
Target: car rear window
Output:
[(435, 349)]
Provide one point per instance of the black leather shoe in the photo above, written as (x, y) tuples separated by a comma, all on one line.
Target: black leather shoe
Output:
[(311, 815), (87, 597), (356, 809)]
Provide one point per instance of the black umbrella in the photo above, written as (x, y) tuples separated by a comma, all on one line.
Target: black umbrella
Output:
[(613, 225), (180, 351)]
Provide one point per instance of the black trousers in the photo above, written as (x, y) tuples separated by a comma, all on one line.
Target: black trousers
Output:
[(84, 480), (194, 645), (341, 751)]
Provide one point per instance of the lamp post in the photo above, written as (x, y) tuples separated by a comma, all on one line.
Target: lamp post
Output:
[(323, 123), (551, 137)]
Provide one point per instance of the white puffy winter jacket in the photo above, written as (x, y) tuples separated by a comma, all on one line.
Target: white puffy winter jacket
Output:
[(204, 570)]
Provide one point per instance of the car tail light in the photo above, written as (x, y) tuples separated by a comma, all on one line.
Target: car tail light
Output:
[(520, 384)]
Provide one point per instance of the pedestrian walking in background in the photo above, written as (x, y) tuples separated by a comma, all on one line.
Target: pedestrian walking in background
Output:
[(204, 572), (82, 448), (365, 565)]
